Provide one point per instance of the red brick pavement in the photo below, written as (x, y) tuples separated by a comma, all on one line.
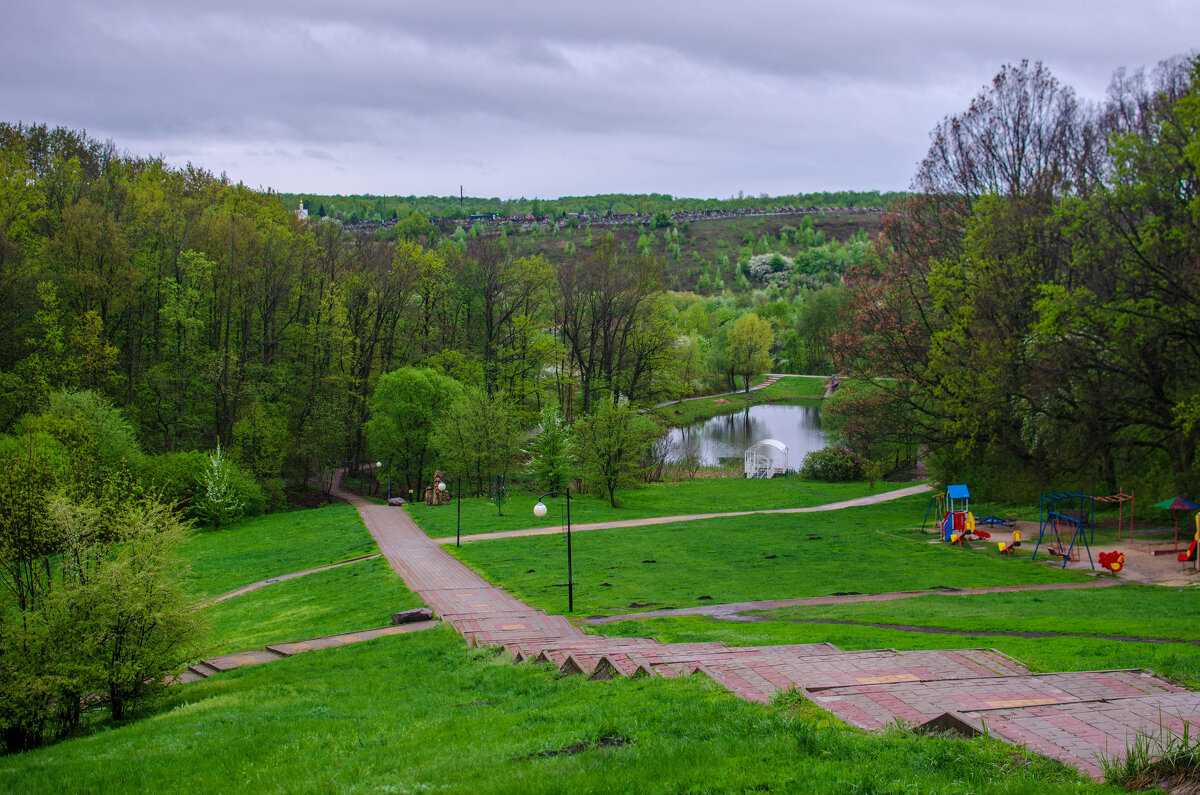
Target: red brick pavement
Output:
[(1075, 717)]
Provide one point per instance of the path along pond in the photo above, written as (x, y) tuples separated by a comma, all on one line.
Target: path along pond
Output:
[(728, 435)]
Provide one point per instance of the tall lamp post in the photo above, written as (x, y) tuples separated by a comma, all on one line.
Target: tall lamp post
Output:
[(379, 464), (539, 511), (458, 523)]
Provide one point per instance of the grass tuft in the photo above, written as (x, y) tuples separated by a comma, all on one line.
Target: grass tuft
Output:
[(1157, 758)]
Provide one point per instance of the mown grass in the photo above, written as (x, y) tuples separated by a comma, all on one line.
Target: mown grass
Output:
[(674, 498), (359, 596), (1141, 611), (267, 546), (422, 712), (867, 549), (789, 389)]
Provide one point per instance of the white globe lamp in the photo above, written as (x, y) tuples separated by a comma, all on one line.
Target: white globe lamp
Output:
[(539, 510)]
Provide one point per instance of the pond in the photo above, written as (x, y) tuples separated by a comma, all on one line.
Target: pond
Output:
[(728, 436)]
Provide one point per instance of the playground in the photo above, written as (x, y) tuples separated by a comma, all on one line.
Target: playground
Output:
[(1140, 565), (1078, 532)]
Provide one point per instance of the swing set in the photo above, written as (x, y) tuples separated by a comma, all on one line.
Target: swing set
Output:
[(1065, 521)]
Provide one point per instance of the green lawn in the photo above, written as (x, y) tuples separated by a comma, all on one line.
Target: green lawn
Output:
[(785, 390), (267, 546), (422, 712), (1142, 611), (868, 549), (674, 498), (346, 599), (359, 596)]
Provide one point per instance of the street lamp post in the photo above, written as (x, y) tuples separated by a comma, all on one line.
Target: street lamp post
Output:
[(458, 523), (539, 511)]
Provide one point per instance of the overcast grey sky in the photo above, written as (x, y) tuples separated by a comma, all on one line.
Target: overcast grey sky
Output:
[(542, 99)]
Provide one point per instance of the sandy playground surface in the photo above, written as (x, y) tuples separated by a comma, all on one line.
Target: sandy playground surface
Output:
[(1140, 564)]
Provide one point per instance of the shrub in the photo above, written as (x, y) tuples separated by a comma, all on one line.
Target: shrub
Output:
[(248, 490), (275, 493), (99, 437), (180, 478), (220, 502), (107, 628), (549, 457), (833, 464), (176, 478)]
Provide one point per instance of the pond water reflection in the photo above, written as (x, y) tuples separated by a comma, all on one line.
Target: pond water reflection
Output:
[(728, 436)]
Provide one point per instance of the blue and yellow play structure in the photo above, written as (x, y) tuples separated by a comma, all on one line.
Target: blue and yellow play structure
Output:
[(958, 513), (956, 524)]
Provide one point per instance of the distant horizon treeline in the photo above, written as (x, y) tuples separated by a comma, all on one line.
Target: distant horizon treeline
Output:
[(369, 207)]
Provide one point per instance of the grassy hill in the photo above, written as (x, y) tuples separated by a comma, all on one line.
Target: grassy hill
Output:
[(423, 712)]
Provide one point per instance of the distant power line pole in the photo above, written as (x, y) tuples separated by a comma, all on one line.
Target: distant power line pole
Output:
[(460, 197)]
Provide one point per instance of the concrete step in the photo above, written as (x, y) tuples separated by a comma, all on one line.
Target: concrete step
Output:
[(873, 705), (611, 666), (529, 650), (741, 681), (202, 670)]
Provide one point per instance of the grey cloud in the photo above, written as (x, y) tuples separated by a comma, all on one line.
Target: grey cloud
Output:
[(533, 98)]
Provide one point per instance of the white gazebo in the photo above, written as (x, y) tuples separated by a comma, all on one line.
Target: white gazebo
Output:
[(766, 459)]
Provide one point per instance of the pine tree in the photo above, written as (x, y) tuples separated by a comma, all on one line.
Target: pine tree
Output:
[(549, 457)]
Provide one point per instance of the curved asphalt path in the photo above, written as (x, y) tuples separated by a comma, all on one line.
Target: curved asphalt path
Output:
[(692, 517), (771, 379)]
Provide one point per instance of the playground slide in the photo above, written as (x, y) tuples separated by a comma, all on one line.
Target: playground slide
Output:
[(1190, 555), (972, 529)]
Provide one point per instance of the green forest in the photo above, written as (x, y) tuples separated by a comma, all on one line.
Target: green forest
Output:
[(1026, 314), (1032, 319), (207, 313)]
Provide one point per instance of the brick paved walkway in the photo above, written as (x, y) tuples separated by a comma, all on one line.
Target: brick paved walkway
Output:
[(1074, 717)]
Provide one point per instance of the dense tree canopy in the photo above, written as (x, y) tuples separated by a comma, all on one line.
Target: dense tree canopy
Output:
[(1036, 304)]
